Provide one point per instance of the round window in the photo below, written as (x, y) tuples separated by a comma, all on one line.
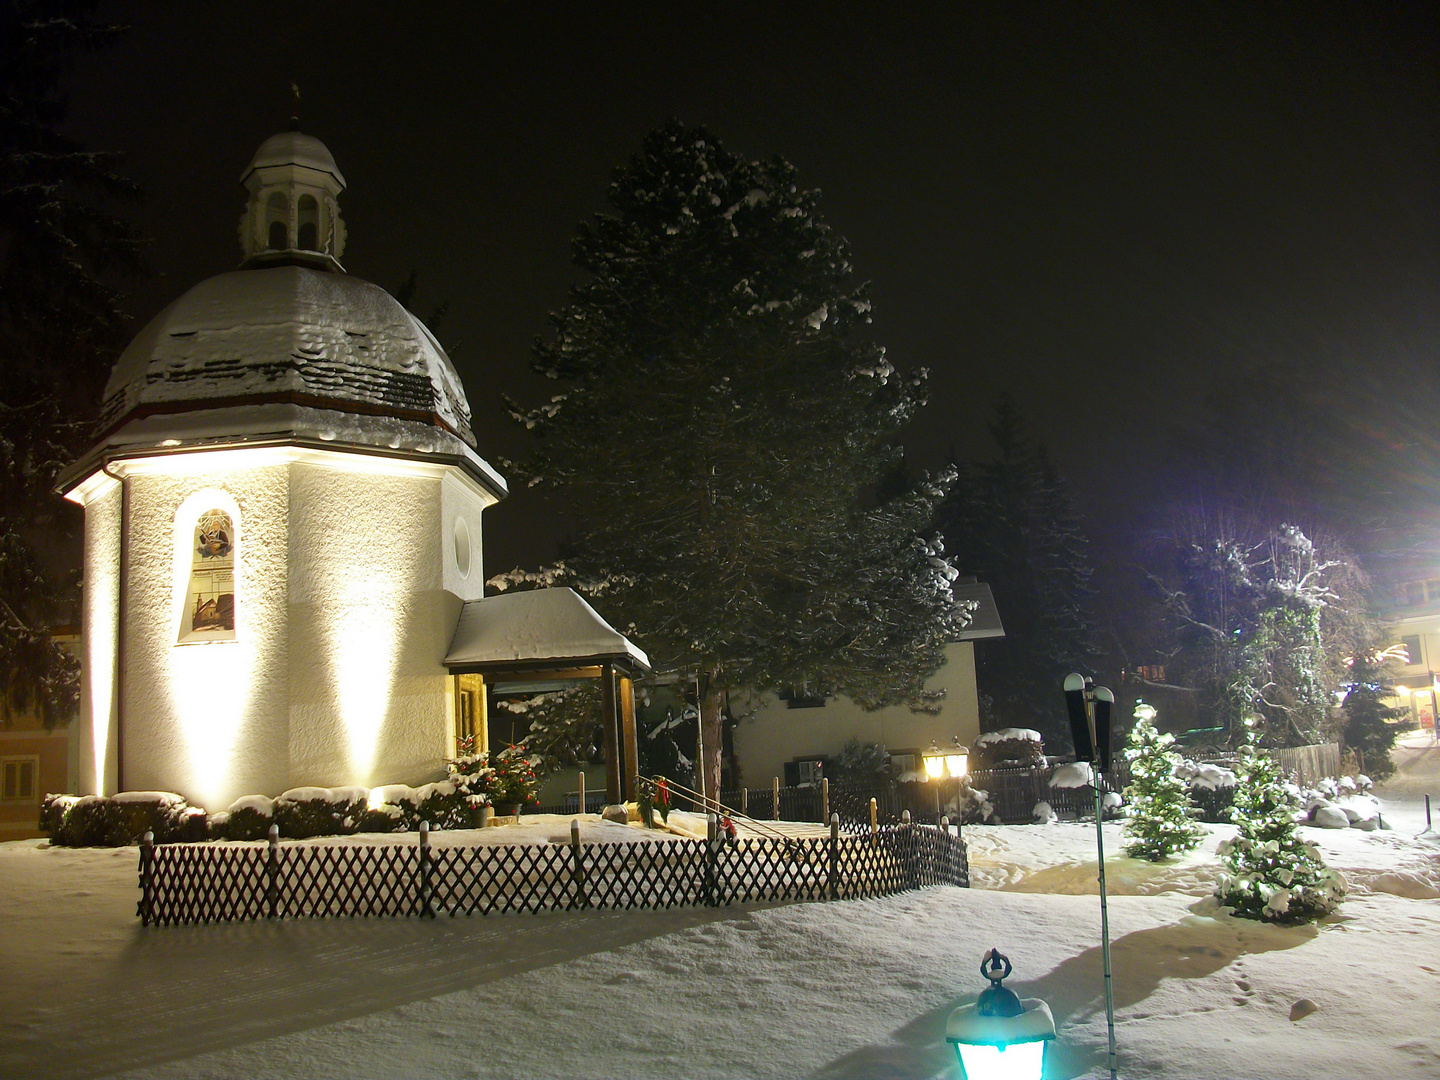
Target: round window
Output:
[(462, 547)]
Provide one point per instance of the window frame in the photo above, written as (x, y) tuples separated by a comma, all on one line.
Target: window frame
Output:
[(19, 761)]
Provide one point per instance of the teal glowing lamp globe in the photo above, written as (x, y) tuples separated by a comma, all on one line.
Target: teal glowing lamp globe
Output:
[(999, 1035)]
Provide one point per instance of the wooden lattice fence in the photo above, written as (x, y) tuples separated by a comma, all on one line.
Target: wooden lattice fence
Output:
[(200, 883)]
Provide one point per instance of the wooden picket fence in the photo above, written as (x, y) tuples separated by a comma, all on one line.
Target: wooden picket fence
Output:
[(203, 883)]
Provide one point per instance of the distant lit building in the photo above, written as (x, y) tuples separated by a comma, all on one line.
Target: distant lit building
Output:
[(1413, 615)]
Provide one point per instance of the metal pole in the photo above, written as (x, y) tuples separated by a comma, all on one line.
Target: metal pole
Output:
[(1104, 922)]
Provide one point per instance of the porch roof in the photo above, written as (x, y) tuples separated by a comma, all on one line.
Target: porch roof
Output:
[(540, 629)]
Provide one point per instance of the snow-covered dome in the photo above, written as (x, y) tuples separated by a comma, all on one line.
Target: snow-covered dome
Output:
[(289, 350), (293, 148), (288, 334)]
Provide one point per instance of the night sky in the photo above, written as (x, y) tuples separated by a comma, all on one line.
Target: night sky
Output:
[(1106, 211)]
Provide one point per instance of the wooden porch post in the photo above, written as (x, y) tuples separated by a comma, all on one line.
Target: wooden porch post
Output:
[(632, 746), (610, 722), (482, 716)]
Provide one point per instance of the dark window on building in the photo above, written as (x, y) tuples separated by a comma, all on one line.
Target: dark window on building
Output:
[(20, 779), (1412, 647)]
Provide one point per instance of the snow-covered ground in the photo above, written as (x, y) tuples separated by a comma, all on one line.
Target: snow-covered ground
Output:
[(841, 990)]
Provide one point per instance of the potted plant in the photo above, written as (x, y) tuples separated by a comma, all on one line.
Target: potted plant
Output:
[(515, 781), (473, 778)]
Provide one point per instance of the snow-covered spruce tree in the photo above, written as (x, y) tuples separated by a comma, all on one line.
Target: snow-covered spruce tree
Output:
[(726, 440), (1370, 724), (61, 327), (1160, 820), (1270, 873), (1011, 522)]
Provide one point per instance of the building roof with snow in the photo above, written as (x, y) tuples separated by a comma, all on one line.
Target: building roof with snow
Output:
[(541, 628), (289, 348), (985, 619)]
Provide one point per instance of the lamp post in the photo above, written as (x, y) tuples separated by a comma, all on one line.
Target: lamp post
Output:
[(999, 1035), (952, 762), (1089, 707)]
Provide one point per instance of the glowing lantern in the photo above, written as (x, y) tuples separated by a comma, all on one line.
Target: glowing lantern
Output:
[(999, 1035)]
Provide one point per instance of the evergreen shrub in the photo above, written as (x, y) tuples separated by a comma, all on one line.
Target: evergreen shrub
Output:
[(53, 809), (1160, 818), (248, 818), (1270, 873), (310, 811), (1010, 748), (123, 819)]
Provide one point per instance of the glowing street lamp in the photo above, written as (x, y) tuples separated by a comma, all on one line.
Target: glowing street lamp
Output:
[(999, 1035), (952, 762)]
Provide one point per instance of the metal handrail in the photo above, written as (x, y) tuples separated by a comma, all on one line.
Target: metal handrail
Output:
[(715, 806)]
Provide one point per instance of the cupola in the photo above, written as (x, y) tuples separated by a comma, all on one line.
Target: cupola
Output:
[(292, 215)]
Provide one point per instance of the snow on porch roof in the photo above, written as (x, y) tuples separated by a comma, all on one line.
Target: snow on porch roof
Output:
[(985, 621), (534, 629)]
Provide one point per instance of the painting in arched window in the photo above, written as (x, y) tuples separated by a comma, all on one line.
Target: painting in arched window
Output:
[(308, 214), (278, 238), (210, 600)]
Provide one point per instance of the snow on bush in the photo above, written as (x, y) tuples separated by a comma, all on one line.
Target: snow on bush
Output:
[(247, 818), (1043, 813), (1075, 774), (1270, 873), (121, 819), (315, 811), (1161, 819), (970, 805), (1010, 747)]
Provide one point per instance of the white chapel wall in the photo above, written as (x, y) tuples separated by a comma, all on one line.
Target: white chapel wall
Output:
[(370, 626), (204, 719), (100, 629)]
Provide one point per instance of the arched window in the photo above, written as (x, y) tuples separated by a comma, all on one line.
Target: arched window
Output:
[(308, 214), (209, 612), (277, 225)]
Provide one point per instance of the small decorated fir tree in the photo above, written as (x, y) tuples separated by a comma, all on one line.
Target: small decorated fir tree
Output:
[(1270, 873), (1161, 820)]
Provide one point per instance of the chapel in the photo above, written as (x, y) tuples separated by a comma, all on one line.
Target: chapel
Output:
[(283, 576)]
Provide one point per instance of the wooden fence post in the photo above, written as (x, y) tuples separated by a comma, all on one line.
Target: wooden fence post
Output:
[(745, 801), (834, 856), (426, 908), (582, 893), (272, 874), (582, 791), (147, 878), (712, 828), (874, 817), (775, 794), (824, 798)]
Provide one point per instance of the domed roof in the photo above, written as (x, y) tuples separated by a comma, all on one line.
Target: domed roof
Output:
[(288, 334), (294, 148)]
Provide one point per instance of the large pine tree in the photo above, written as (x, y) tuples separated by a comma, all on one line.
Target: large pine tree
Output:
[(723, 437), (61, 327), (1011, 522)]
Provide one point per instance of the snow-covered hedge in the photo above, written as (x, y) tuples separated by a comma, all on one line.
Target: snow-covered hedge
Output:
[(121, 819), (1010, 748), (1210, 787), (315, 811)]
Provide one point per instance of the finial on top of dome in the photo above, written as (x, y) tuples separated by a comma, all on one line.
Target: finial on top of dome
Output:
[(295, 115)]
